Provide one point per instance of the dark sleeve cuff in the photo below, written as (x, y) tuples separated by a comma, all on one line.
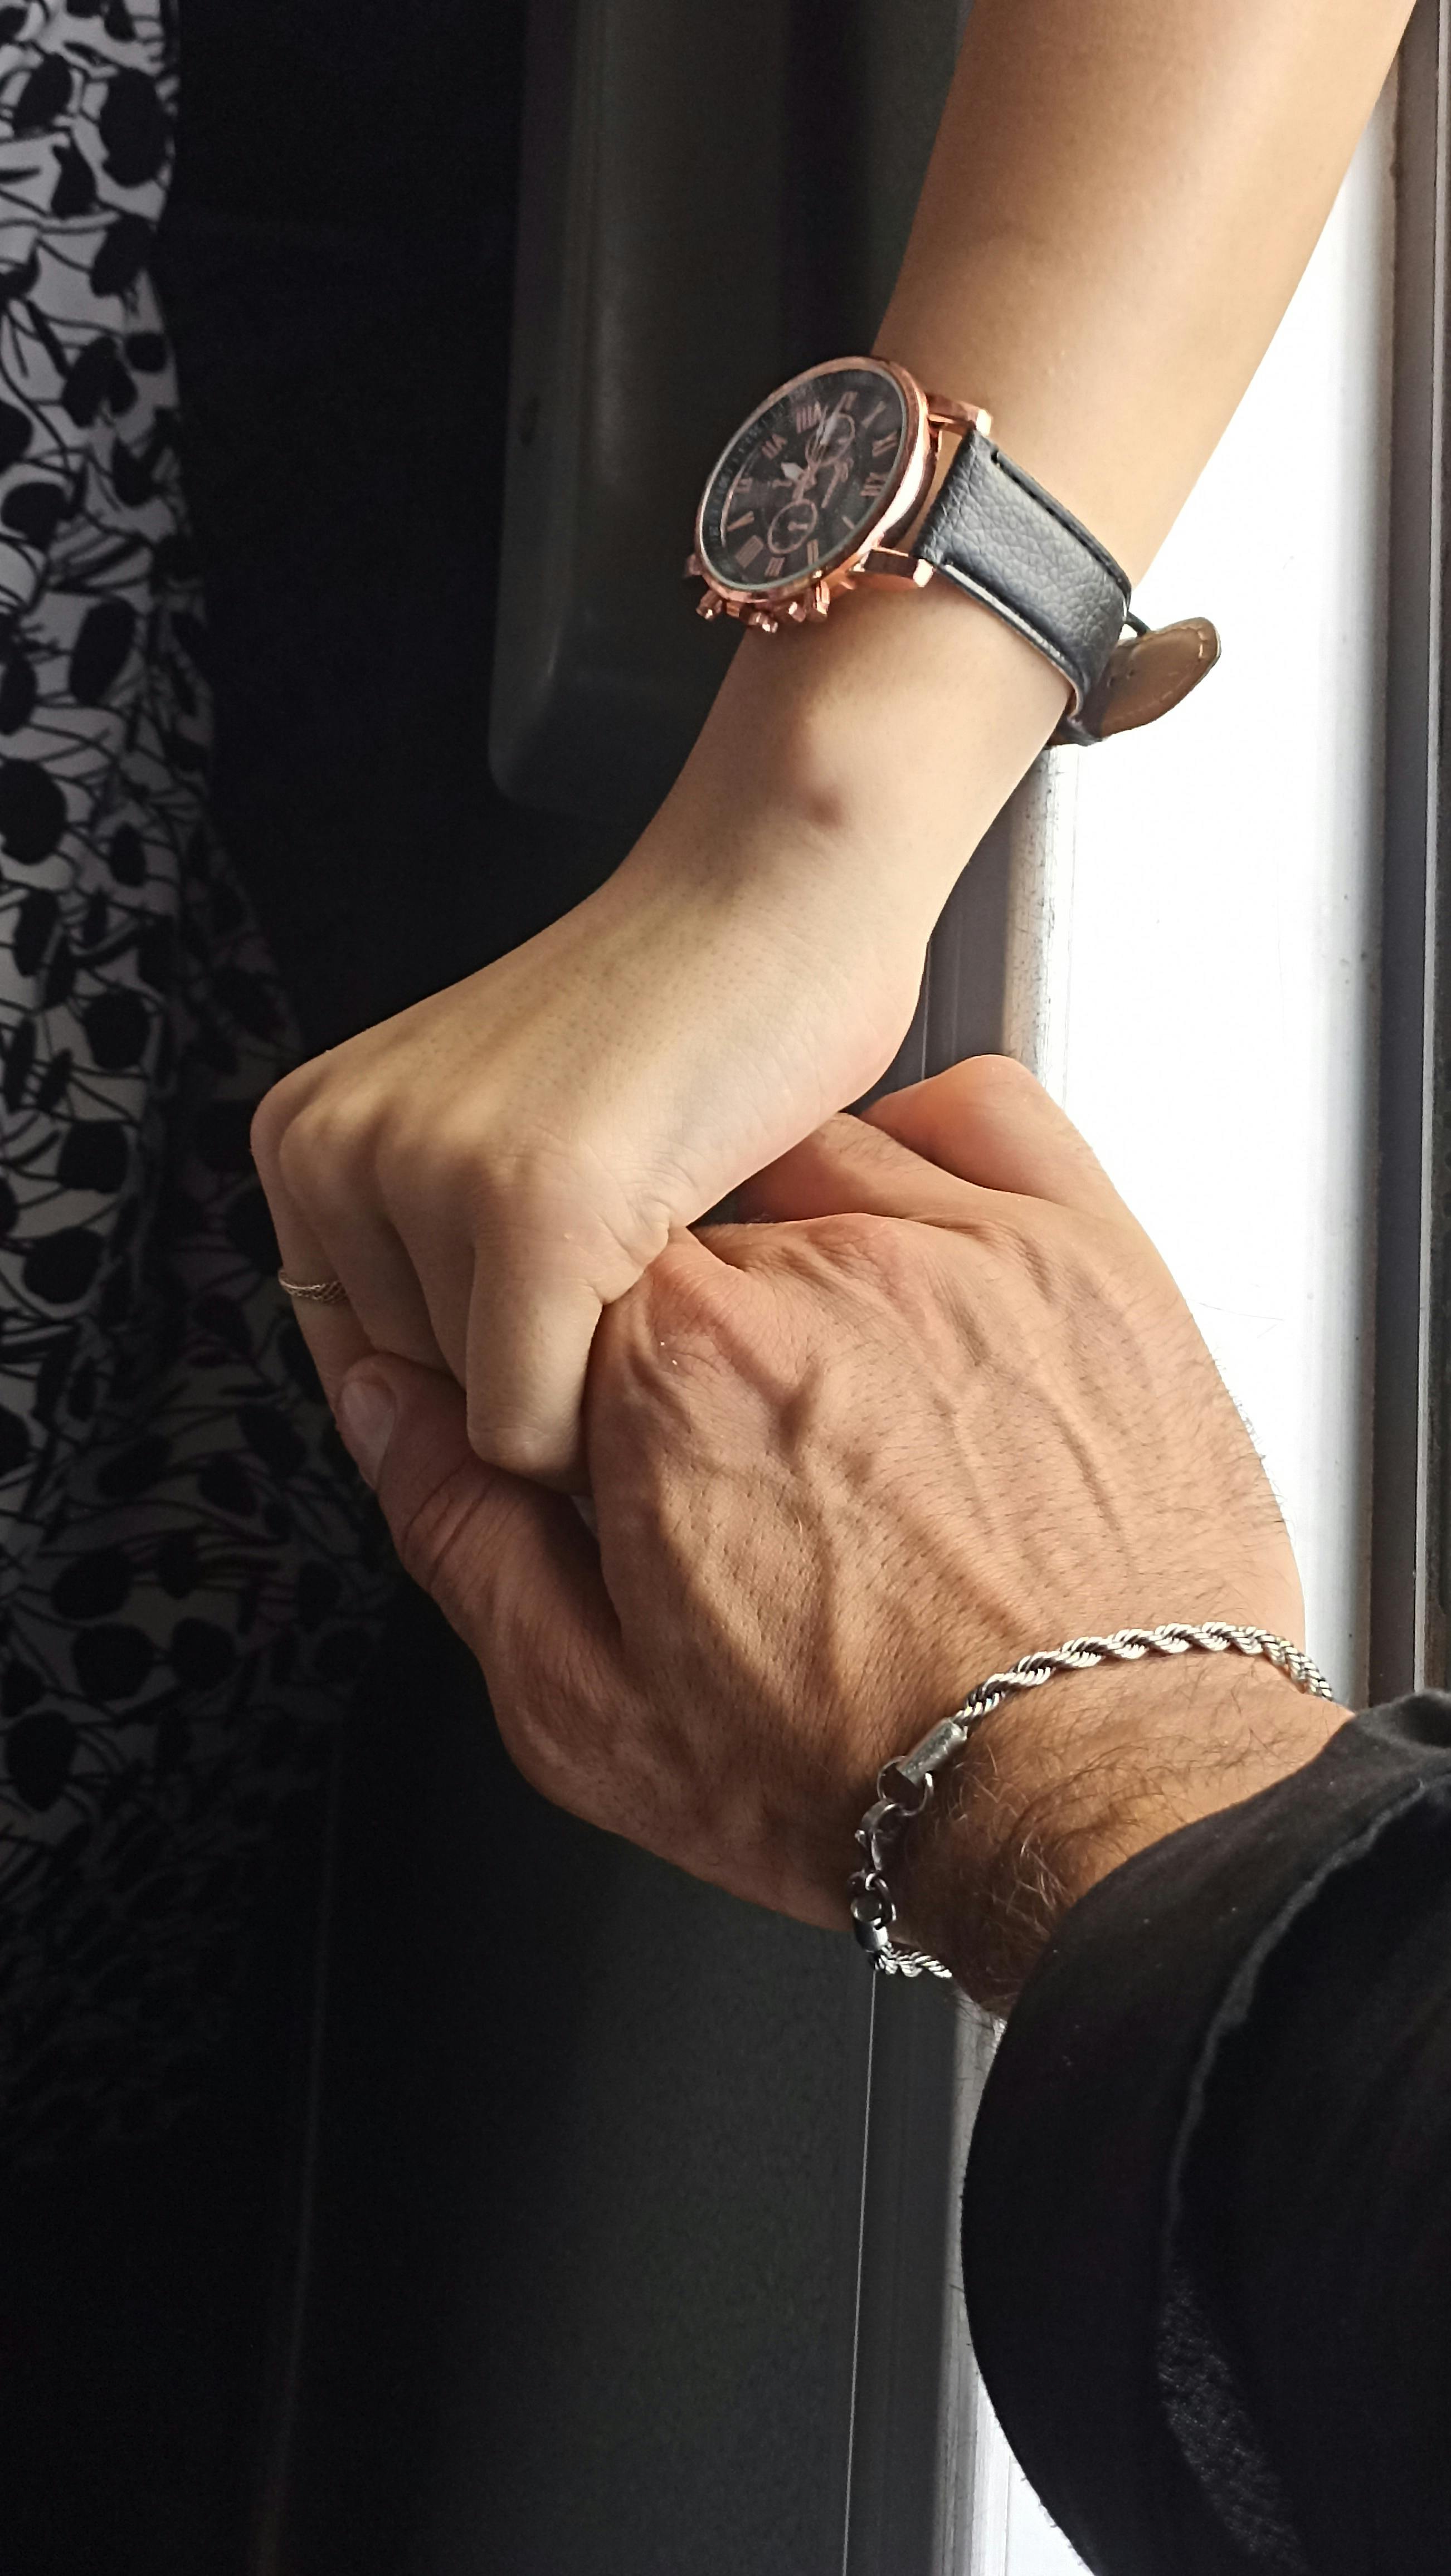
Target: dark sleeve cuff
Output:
[(1207, 2220)]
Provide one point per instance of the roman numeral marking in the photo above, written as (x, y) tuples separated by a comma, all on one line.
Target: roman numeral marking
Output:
[(775, 567), (883, 446), (772, 446), (813, 553), (869, 416), (747, 553), (848, 401), (873, 486), (807, 415)]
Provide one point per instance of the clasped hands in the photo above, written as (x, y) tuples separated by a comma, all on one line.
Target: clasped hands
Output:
[(946, 1406)]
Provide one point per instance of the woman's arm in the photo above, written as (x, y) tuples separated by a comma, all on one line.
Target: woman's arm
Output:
[(1119, 204)]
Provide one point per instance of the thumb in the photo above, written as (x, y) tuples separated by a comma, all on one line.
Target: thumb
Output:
[(941, 1152), (990, 1123), (511, 1567)]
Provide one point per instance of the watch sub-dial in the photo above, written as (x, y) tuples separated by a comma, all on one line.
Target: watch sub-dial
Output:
[(792, 527)]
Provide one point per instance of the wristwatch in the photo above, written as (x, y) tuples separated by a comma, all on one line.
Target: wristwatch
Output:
[(851, 475)]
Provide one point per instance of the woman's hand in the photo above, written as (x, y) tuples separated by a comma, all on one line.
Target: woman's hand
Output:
[(489, 1171), (845, 1467), (1117, 209)]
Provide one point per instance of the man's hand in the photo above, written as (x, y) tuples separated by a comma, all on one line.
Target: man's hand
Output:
[(950, 1409)]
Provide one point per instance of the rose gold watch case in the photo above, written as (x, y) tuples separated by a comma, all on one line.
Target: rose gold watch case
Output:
[(872, 557)]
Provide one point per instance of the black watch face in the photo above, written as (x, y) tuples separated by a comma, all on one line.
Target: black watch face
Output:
[(799, 487)]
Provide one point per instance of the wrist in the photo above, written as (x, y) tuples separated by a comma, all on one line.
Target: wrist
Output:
[(875, 749), (1046, 1800)]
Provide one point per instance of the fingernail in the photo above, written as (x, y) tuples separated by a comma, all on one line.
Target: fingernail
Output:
[(367, 1410)]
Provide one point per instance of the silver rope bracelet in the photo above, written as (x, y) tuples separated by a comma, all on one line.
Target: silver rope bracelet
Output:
[(907, 1785)]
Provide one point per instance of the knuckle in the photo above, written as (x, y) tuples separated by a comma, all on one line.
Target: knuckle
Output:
[(681, 1292), (996, 1081), (880, 1250), (539, 1197), (677, 1314), (302, 1156), (879, 1275), (1040, 1264), (556, 1205), (430, 1534), (532, 1747), (415, 1168), (272, 1118), (681, 1366), (551, 1730), (328, 1152)]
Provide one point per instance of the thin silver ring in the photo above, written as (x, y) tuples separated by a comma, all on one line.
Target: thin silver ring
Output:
[(313, 1292)]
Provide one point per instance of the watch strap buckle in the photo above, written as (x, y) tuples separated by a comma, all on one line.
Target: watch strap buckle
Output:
[(1151, 670)]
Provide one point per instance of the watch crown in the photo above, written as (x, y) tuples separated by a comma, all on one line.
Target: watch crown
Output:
[(710, 606)]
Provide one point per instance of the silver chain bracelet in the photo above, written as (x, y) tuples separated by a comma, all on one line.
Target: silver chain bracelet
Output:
[(906, 1785)]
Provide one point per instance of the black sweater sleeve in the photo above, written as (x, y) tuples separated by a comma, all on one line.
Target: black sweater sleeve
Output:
[(1207, 2221)]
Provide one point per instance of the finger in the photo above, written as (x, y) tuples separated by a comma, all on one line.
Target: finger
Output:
[(333, 1334), (384, 1291), (512, 1568), (846, 1168), (318, 1202), (686, 1337), (989, 1122), (543, 1276), (944, 1153), (528, 1353)]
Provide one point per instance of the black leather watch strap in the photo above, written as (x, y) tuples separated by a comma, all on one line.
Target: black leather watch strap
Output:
[(998, 534)]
